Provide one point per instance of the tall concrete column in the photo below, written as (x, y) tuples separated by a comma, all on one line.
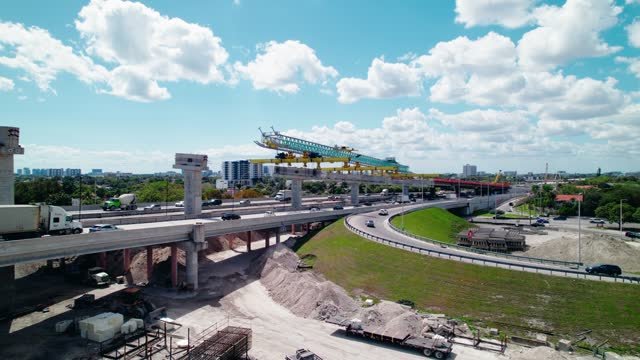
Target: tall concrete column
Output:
[(293, 229), (9, 146), (248, 241), (126, 259), (266, 239), (296, 193), (149, 262), (355, 192), (102, 260), (191, 249), (174, 265), (191, 253), (192, 166), (278, 236)]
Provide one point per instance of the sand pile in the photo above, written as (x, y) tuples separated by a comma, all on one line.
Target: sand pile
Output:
[(538, 353), (303, 293), (596, 248)]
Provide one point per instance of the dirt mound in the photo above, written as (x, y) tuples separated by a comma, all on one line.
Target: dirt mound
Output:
[(303, 293), (538, 353), (596, 248), (161, 255), (225, 242)]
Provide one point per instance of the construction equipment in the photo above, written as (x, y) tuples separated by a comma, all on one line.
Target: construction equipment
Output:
[(277, 141), (498, 175), (97, 276), (130, 303)]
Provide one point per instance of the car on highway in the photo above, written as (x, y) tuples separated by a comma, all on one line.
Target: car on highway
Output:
[(230, 216), (383, 212), (367, 203), (606, 269), (103, 227), (537, 224), (152, 207), (560, 217), (245, 202), (314, 208), (269, 213), (370, 223), (338, 207), (596, 221), (632, 234), (180, 204), (212, 202), (542, 221)]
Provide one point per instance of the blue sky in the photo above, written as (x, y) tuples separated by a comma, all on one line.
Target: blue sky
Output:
[(125, 85)]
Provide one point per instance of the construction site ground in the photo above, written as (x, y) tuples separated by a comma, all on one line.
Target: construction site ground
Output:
[(229, 291)]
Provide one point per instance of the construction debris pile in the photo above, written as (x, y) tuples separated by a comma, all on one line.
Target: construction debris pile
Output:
[(309, 295)]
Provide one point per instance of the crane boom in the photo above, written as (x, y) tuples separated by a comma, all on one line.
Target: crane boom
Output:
[(277, 141)]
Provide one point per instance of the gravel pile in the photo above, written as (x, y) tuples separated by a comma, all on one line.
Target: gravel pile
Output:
[(596, 248)]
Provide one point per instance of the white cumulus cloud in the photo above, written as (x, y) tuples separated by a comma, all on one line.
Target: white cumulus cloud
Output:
[(634, 64), (6, 84), (384, 80), (508, 13), (146, 47), (42, 57), (282, 67), (633, 31), (567, 33)]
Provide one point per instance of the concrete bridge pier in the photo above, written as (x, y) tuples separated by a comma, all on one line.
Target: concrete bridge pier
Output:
[(266, 239), (191, 249), (296, 193), (174, 265), (277, 235), (355, 192), (248, 241)]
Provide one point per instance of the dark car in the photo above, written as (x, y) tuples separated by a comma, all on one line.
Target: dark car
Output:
[(338, 207), (230, 216), (632, 234), (606, 269), (314, 208), (212, 202), (542, 221), (537, 224), (560, 217), (367, 204)]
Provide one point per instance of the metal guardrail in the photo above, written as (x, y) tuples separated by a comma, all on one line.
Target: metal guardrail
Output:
[(484, 262), (569, 264)]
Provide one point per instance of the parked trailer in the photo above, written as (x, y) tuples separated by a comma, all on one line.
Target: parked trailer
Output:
[(438, 348), (24, 221)]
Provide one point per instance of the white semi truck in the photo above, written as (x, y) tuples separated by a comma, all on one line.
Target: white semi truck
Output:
[(25, 221), (283, 195)]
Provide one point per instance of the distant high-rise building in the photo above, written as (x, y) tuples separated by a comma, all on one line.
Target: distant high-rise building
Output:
[(510, 173), (19, 172), (26, 171), (266, 170), (55, 172), (240, 172), (72, 172), (96, 172), (469, 170)]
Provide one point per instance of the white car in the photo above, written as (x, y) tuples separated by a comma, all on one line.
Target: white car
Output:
[(244, 202), (383, 212), (103, 227), (180, 204), (269, 213)]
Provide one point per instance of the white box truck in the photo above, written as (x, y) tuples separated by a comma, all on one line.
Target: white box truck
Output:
[(25, 221)]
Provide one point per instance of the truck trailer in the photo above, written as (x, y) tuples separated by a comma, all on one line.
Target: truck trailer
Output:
[(122, 202), (25, 221), (439, 348)]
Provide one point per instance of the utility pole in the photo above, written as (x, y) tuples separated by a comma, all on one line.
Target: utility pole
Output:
[(621, 234), (579, 230)]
